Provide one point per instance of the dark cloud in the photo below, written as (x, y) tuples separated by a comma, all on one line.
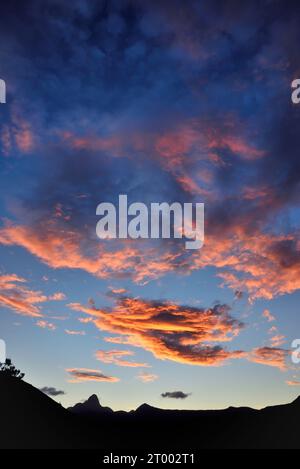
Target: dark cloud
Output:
[(51, 391), (238, 295), (175, 395)]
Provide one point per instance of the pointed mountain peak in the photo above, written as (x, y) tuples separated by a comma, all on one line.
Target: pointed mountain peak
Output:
[(93, 400), (92, 403), (145, 408), (90, 406)]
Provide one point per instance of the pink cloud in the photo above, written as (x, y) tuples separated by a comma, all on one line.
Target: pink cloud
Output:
[(46, 325), (79, 375)]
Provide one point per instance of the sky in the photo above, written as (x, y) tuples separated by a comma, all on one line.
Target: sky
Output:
[(164, 101)]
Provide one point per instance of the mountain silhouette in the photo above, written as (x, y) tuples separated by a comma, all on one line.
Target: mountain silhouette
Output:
[(30, 419), (90, 407)]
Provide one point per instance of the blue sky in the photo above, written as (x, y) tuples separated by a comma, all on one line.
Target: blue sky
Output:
[(162, 101)]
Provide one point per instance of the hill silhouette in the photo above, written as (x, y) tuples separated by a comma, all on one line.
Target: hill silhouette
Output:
[(30, 419), (91, 408)]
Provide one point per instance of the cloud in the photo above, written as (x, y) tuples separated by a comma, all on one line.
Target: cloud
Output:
[(261, 270), (293, 383), (71, 332), (15, 295), (60, 318), (121, 340), (85, 320), (19, 136), (169, 331), (267, 314), (277, 340), (147, 377), (115, 357), (57, 297), (220, 150), (51, 391), (175, 395), (79, 375), (65, 249), (46, 325), (271, 356), (238, 295), (263, 265), (118, 291)]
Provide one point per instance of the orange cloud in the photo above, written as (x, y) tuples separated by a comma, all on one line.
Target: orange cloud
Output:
[(169, 331), (267, 314), (147, 377), (115, 357), (270, 356), (79, 375), (62, 249), (118, 291), (14, 294), (277, 340), (263, 265), (293, 383)]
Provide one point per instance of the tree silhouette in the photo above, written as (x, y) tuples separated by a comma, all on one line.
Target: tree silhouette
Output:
[(9, 369)]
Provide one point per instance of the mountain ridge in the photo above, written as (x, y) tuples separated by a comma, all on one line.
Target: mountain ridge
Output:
[(30, 419)]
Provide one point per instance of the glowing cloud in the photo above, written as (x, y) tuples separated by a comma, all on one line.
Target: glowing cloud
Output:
[(270, 356), (171, 332), (15, 295)]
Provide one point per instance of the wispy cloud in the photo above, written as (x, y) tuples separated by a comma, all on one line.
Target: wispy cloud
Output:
[(78, 375), (293, 382), (147, 377), (268, 315), (16, 295), (116, 357), (72, 332), (46, 325), (271, 356)]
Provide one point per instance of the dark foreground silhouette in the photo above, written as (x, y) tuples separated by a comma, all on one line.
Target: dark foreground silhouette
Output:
[(30, 419)]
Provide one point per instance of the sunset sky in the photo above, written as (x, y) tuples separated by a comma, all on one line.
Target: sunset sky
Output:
[(163, 101)]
